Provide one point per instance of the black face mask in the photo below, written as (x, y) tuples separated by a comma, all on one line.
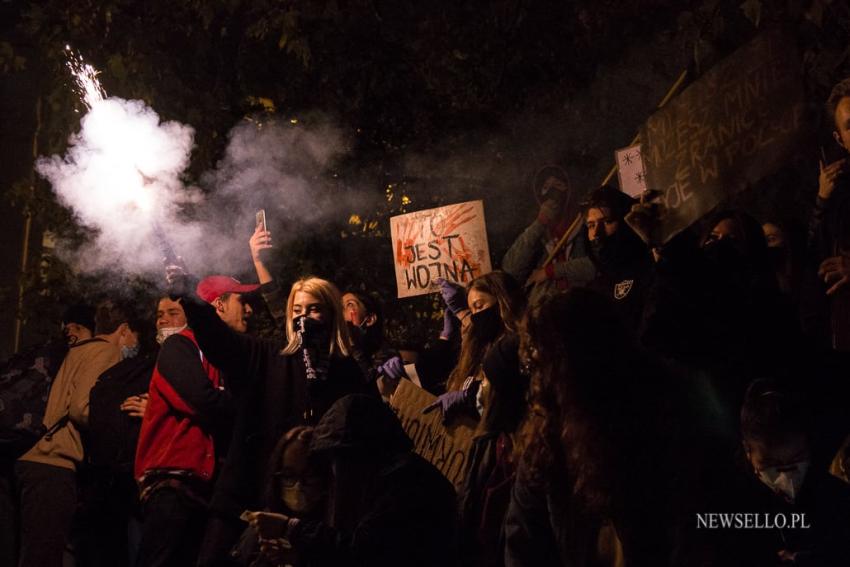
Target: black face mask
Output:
[(363, 337), (556, 196), (487, 324), (313, 333), (607, 250), (724, 254), (777, 257)]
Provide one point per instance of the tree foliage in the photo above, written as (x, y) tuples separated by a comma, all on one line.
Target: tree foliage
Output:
[(404, 78)]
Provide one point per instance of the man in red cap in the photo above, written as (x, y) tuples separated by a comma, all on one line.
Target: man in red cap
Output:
[(225, 294), (186, 415)]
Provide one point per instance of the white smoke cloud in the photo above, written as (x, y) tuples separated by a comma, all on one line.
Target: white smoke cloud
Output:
[(279, 167), (123, 176), (120, 176)]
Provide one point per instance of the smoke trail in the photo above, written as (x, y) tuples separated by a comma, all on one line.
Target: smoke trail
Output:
[(277, 166)]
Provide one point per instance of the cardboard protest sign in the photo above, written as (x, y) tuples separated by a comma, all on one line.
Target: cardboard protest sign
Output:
[(448, 242), (630, 170), (446, 448), (738, 123)]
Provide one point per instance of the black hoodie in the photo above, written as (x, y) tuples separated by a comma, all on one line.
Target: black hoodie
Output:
[(401, 510)]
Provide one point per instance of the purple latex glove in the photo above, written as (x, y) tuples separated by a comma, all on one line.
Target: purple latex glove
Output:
[(453, 404), (451, 324), (453, 294), (393, 369)]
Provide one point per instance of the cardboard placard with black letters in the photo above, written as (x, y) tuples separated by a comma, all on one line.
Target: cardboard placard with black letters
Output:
[(447, 448)]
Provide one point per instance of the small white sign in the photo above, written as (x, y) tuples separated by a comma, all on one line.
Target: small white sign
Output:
[(630, 170)]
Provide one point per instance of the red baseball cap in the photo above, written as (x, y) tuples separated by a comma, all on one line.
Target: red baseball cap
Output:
[(213, 287)]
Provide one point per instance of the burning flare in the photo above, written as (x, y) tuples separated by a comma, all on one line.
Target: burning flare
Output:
[(121, 173), (90, 89)]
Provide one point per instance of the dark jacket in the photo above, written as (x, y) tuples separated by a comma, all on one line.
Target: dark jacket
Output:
[(829, 235), (483, 500), (435, 364), (274, 397), (733, 324), (544, 529), (624, 273), (668, 463), (406, 511), (113, 434)]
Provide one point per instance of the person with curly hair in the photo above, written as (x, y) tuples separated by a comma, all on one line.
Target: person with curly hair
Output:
[(610, 451)]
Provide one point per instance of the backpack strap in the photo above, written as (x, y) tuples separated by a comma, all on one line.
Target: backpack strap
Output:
[(60, 423)]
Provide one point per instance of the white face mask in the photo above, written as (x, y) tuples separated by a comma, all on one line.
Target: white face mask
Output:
[(785, 480), (164, 332), (299, 500)]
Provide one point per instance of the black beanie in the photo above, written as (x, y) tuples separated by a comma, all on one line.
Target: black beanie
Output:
[(81, 315)]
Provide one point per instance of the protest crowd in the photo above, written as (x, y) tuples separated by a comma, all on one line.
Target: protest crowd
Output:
[(626, 401)]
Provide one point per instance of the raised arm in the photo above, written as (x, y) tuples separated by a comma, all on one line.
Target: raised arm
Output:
[(521, 258), (260, 240), (237, 354)]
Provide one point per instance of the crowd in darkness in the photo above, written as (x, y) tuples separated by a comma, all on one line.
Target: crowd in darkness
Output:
[(637, 404)]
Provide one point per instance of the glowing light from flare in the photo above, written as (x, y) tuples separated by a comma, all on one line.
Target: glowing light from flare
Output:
[(85, 75), (117, 139), (123, 163)]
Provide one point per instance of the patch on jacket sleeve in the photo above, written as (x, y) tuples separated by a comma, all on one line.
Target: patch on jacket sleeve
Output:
[(622, 289)]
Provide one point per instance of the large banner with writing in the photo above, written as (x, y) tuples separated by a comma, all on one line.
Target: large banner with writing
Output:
[(447, 448), (448, 242), (738, 123)]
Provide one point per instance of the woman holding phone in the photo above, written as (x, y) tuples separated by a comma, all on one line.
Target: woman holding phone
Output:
[(279, 384)]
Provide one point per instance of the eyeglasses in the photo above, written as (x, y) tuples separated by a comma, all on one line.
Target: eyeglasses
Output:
[(305, 481)]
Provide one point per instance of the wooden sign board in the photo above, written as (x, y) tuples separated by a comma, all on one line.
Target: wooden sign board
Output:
[(447, 242), (738, 123), (447, 448)]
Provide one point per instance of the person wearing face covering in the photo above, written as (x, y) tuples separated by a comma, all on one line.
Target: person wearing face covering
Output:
[(781, 479), (623, 262), (714, 308), (284, 384), (495, 304), (485, 493), (559, 209), (786, 249), (388, 506), (109, 495), (46, 474), (611, 458), (295, 486)]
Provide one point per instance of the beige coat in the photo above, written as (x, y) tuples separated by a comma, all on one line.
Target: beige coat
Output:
[(69, 394)]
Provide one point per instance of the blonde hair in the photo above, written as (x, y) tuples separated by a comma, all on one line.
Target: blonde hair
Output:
[(328, 294)]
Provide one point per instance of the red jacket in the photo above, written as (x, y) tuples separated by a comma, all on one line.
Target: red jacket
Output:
[(172, 437)]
